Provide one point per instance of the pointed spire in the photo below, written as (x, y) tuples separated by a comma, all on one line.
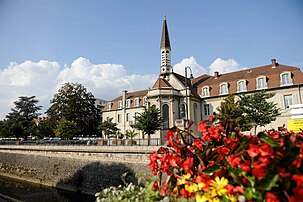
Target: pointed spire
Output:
[(165, 38)]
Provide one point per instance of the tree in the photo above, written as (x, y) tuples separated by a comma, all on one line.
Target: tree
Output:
[(21, 116), (258, 109), (231, 117), (66, 129), (149, 121), (74, 103), (107, 127)]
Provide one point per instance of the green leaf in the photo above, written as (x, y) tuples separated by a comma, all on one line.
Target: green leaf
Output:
[(268, 182), (290, 157), (211, 170), (268, 140)]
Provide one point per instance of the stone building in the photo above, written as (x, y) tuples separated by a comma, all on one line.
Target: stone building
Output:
[(182, 98)]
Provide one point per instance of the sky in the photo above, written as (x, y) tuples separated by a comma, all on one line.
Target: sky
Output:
[(114, 45)]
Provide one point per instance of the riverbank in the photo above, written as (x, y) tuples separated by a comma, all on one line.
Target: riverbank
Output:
[(86, 170)]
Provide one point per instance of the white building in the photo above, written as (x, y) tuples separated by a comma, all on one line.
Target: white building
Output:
[(182, 98)]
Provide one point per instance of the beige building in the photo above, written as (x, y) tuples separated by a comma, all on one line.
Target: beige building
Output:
[(182, 98)]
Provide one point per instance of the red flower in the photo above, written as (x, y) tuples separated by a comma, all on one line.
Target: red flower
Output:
[(188, 164), (155, 185), (234, 160), (211, 118), (265, 149), (202, 127), (252, 151), (245, 166), (270, 197), (198, 144), (298, 179), (258, 170), (174, 161), (169, 135)]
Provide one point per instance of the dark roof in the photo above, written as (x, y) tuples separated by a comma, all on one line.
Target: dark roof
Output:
[(165, 38)]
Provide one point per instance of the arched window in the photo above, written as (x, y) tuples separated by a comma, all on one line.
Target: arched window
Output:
[(182, 111), (224, 89), (261, 82), (165, 116), (241, 86), (205, 91), (286, 79)]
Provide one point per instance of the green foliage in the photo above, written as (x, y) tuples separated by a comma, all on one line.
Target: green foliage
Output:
[(107, 127), (130, 193), (43, 128), (258, 109), (74, 103), (149, 121), (66, 129), (231, 117), (20, 119), (130, 134)]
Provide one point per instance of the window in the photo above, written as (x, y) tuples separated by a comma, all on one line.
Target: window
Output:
[(241, 86), (136, 116), (144, 101), (205, 91), (182, 111), (206, 109), (223, 89), (137, 102), (261, 82), (287, 100), (286, 79), (119, 118), (128, 103), (109, 106), (165, 116), (127, 117), (120, 104)]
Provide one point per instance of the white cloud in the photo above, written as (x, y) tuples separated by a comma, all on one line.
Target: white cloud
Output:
[(192, 63), (44, 78), (105, 81), (224, 66)]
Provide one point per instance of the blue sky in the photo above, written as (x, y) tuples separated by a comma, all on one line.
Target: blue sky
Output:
[(112, 45)]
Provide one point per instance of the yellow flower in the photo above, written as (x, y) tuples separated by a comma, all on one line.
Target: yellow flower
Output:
[(202, 198), (218, 186), (183, 179), (232, 198)]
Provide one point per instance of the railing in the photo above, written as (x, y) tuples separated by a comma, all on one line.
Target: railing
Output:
[(99, 142)]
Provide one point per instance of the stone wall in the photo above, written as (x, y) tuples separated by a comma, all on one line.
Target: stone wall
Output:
[(87, 169)]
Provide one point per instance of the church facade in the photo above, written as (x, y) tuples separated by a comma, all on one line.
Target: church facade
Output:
[(181, 98)]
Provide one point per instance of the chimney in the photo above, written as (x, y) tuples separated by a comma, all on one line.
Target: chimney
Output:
[(273, 63), (216, 75), (124, 92)]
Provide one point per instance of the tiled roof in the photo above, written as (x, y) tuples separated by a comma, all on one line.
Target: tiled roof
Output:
[(250, 75), (129, 95), (160, 83)]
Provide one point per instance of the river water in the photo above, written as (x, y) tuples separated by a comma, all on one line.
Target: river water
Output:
[(12, 190)]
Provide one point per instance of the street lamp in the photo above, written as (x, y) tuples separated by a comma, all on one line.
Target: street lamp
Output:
[(186, 89)]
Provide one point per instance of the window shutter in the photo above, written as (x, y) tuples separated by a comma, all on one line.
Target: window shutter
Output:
[(282, 106), (295, 99)]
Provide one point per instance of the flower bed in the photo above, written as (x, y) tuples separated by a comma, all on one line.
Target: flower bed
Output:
[(230, 167)]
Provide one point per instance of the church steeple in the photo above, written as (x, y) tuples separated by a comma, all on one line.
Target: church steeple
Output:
[(165, 50)]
